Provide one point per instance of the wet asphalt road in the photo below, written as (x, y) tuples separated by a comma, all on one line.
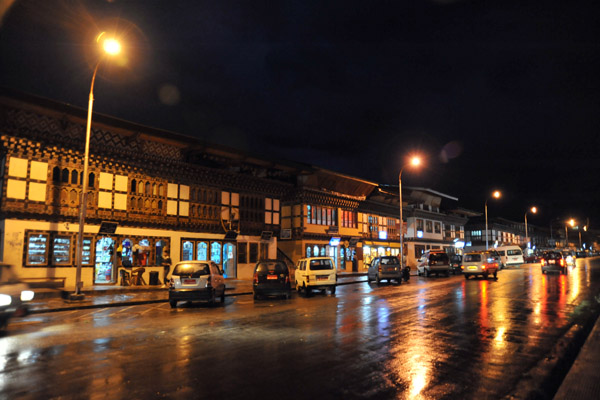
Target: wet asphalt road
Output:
[(433, 338)]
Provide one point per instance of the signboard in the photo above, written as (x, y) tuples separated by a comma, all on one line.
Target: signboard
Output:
[(334, 241), (107, 228), (285, 234)]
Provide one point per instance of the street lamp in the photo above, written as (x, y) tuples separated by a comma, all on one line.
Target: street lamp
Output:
[(495, 195), (572, 223), (111, 47), (415, 161), (533, 210)]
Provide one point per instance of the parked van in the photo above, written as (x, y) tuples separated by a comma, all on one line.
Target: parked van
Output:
[(315, 273), (510, 256)]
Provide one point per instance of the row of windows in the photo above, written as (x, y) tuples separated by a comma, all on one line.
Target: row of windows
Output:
[(318, 215)]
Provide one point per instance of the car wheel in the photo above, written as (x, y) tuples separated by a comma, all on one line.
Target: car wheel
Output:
[(298, 287), (447, 273), (306, 290), (377, 279), (496, 274), (173, 303), (255, 296), (368, 278), (427, 273), (288, 295), (333, 290), (485, 276), (466, 277)]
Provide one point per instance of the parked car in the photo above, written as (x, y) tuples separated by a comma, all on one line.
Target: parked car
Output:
[(271, 278), (315, 273), (433, 262), (455, 263), (14, 295), (196, 280), (385, 268), (481, 263), (553, 261)]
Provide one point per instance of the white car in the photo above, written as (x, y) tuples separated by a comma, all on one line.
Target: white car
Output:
[(14, 295), (196, 280), (315, 273)]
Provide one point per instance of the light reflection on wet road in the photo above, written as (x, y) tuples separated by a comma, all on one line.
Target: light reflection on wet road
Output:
[(432, 338)]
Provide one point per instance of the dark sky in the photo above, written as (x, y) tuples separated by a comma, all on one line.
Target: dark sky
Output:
[(497, 94)]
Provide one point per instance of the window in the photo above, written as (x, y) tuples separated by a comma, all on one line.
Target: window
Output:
[(37, 249), (419, 250), (349, 219), (253, 252), (61, 250), (271, 211), (420, 225), (318, 215), (264, 251), (242, 253), (428, 226), (438, 227)]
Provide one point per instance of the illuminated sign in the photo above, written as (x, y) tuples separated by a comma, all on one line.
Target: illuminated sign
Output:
[(334, 241), (382, 235), (419, 234)]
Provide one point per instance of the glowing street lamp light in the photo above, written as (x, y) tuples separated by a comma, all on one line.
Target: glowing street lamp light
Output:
[(533, 210), (496, 194), (414, 162), (111, 47), (572, 223)]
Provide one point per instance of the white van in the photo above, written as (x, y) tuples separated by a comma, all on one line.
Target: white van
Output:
[(315, 273), (510, 256)]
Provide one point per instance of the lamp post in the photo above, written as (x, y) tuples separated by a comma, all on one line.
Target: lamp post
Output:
[(112, 47), (414, 162), (495, 195), (572, 223), (533, 210)]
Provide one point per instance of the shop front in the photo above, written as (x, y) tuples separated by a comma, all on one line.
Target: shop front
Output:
[(221, 252), (372, 249), (343, 254)]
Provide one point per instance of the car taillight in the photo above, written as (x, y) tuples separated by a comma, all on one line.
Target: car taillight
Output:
[(462, 267), (543, 262), (255, 278), (287, 279), (379, 268), (562, 262), (483, 266)]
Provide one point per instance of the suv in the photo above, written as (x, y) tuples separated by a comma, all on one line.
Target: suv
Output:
[(315, 273), (553, 261), (455, 263), (480, 263), (196, 280), (433, 262), (271, 278), (385, 267)]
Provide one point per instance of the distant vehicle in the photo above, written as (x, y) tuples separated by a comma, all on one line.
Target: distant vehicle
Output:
[(271, 278), (455, 263), (569, 256), (433, 262), (315, 273), (553, 261), (510, 256), (14, 295), (196, 280), (385, 268), (480, 263)]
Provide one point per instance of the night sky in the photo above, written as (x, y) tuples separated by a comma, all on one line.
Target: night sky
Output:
[(496, 94)]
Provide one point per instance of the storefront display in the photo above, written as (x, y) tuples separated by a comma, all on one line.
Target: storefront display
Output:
[(86, 252), (37, 249), (61, 250), (104, 260)]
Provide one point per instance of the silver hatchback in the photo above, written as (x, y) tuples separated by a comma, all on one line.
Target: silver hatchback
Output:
[(385, 268), (196, 280)]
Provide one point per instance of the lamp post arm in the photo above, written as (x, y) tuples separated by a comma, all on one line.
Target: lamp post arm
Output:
[(401, 230)]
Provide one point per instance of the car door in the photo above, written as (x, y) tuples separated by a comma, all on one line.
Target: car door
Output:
[(373, 268), (218, 279)]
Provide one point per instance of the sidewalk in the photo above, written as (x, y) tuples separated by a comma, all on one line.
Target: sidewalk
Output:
[(54, 300)]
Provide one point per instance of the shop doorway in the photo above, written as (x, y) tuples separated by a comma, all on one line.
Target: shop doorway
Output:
[(104, 272), (229, 260)]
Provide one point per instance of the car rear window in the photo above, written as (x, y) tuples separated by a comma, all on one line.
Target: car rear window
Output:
[(389, 260), (513, 252), (276, 267), (553, 256), (319, 265), (472, 257), (191, 270), (439, 257)]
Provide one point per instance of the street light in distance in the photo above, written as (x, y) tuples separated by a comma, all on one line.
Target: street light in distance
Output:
[(414, 162), (496, 194), (534, 211)]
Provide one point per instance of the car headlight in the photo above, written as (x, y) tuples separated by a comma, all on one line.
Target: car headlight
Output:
[(27, 295), (5, 300)]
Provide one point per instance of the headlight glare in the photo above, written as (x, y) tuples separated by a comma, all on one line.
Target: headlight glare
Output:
[(27, 295), (5, 300)]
